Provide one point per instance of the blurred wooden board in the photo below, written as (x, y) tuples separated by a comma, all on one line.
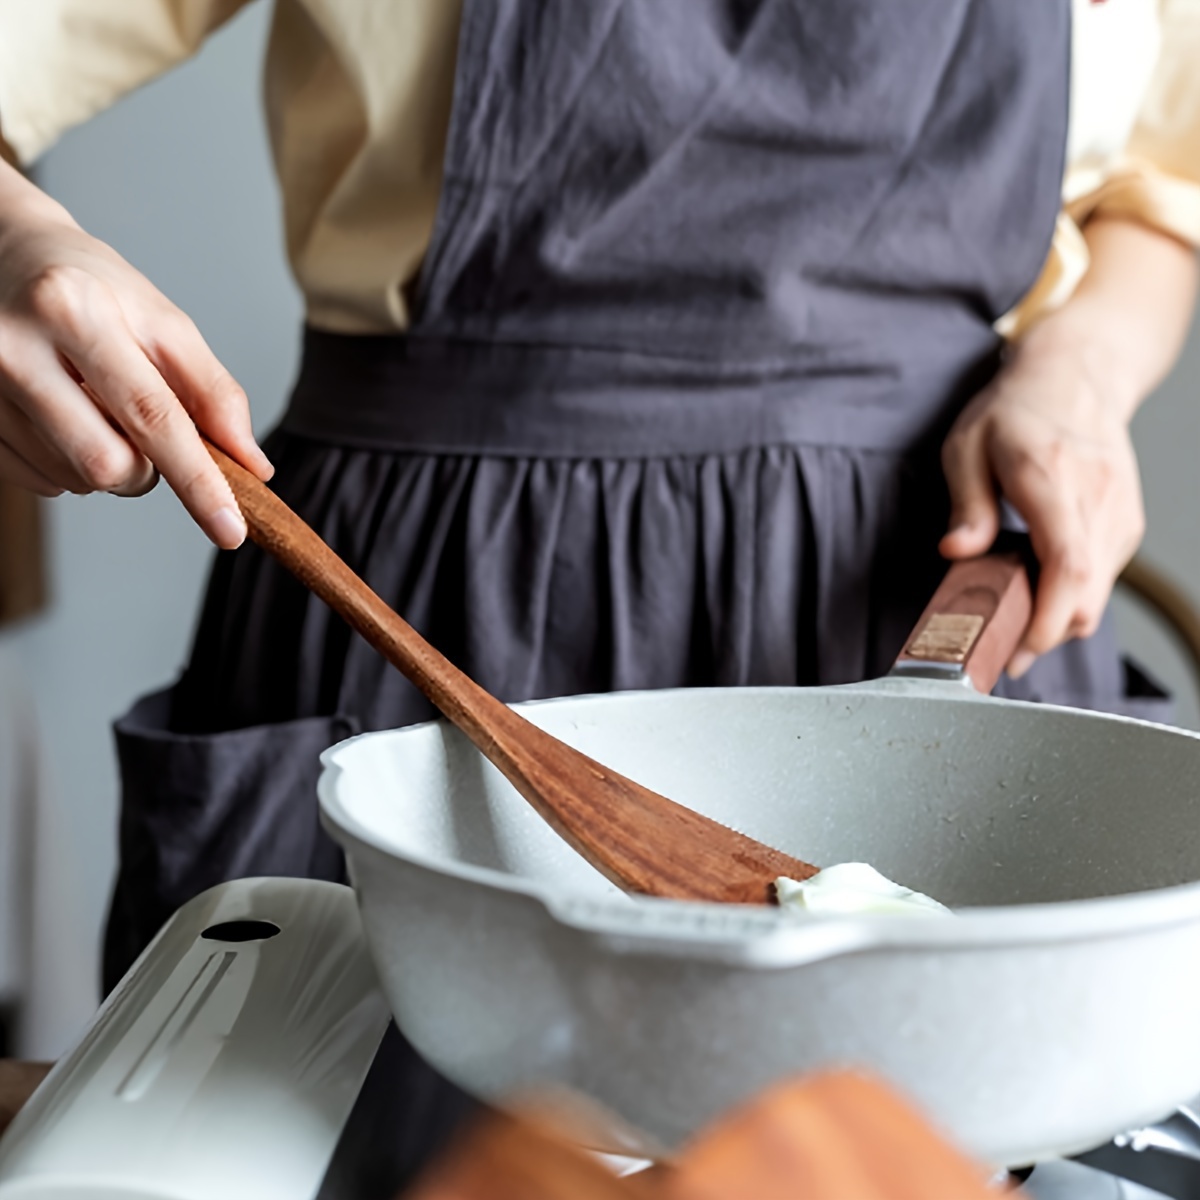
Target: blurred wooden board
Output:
[(22, 565), (507, 1159), (839, 1136), (832, 1137)]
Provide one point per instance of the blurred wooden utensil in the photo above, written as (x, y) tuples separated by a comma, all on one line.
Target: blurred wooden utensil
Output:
[(831, 1137)]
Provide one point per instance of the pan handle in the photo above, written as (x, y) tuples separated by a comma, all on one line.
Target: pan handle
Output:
[(973, 624)]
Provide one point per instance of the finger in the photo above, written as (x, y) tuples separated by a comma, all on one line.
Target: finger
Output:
[(66, 420), (1097, 594), (23, 439), (1060, 541), (1061, 583), (974, 510), (145, 478), (142, 485), (135, 395), (16, 470), (209, 393)]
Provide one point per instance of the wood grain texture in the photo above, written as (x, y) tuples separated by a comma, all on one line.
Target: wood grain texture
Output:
[(640, 840), (975, 620)]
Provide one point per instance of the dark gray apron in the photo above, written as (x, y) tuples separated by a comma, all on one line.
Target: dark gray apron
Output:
[(709, 281)]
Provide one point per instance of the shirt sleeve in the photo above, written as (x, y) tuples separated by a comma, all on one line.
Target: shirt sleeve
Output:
[(1157, 179), (1151, 175), (62, 61)]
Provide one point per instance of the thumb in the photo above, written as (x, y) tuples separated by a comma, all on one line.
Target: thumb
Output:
[(974, 509)]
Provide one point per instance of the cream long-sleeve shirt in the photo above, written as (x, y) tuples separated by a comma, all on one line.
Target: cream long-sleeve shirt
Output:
[(358, 97)]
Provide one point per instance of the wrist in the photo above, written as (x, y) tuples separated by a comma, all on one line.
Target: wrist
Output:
[(1099, 358), (23, 203)]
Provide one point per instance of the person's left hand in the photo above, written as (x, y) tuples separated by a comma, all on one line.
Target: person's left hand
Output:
[(1054, 440)]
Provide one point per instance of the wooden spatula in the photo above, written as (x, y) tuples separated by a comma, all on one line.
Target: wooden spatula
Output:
[(640, 840)]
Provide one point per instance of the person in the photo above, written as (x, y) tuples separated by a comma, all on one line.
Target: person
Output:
[(648, 345)]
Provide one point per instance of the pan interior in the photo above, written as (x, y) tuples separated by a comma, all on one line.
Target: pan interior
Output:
[(973, 802)]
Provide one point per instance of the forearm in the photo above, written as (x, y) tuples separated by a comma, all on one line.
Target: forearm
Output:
[(22, 201), (1127, 321)]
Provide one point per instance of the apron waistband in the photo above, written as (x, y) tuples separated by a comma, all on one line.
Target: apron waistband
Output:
[(400, 393)]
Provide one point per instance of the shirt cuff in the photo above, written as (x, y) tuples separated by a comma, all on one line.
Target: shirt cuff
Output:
[(1137, 190), (7, 153), (1065, 266)]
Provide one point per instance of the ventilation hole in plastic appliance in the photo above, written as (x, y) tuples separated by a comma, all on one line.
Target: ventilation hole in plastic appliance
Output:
[(241, 931)]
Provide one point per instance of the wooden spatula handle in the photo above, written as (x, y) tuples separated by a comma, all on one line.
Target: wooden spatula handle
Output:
[(975, 620), (285, 536), (640, 840)]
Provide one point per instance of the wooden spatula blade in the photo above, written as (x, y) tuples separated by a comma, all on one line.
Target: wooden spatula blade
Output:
[(639, 839)]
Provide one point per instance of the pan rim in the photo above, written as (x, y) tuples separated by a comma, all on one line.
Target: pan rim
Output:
[(766, 937)]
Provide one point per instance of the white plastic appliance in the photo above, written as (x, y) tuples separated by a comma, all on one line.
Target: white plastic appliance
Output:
[(224, 1065)]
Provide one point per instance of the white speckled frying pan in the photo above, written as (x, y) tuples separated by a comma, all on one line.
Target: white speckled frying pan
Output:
[(1060, 1005)]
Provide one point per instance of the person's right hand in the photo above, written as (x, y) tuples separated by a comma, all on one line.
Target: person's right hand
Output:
[(103, 381)]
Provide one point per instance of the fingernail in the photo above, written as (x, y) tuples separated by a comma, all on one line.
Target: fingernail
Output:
[(229, 528), (1021, 662), (955, 532)]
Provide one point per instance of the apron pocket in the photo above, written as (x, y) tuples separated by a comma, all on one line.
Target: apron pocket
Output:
[(200, 809)]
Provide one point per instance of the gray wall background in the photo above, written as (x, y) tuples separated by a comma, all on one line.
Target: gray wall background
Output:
[(177, 178)]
